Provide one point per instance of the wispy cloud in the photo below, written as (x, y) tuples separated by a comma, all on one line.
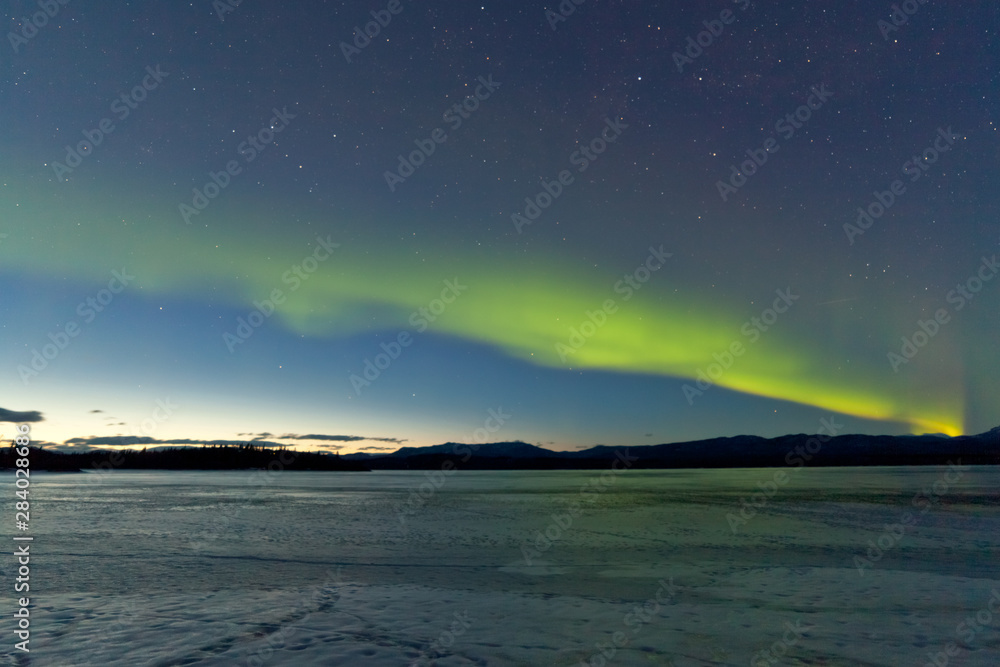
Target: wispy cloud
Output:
[(77, 444), (131, 440), (338, 438)]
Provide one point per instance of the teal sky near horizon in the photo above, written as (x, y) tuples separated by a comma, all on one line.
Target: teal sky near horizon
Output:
[(558, 250)]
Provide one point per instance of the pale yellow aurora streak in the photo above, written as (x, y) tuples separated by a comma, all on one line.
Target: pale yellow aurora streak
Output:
[(520, 309)]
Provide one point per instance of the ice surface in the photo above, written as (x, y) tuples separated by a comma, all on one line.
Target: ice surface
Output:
[(192, 568)]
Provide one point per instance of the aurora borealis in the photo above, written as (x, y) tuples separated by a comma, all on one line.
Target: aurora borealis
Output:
[(484, 207)]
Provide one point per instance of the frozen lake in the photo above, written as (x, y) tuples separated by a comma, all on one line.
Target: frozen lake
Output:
[(846, 566)]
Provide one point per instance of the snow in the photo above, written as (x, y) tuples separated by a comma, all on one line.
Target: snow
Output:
[(205, 568)]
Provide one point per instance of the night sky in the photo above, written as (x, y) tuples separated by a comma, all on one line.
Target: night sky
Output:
[(627, 223)]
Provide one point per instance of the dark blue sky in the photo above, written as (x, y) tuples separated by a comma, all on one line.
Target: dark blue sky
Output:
[(652, 222)]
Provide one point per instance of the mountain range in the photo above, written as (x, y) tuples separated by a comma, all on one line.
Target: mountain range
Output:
[(745, 451)]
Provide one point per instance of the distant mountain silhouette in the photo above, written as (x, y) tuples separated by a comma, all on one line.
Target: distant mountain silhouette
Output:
[(745, 451)]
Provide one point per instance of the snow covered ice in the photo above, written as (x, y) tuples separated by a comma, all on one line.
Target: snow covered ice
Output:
[(199, 568)]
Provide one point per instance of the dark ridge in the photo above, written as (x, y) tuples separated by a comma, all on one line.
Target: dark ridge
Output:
[(208, 457), (735, 452)]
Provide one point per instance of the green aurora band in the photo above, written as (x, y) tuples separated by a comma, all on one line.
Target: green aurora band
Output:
[(521, 309)]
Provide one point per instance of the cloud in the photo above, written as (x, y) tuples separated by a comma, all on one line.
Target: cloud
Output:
[(339, 438), (130, 440), (93, 411), (373, 448), (145, 441), (20, 417)]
